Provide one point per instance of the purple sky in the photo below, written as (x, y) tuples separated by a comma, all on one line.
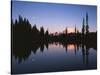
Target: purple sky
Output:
[(53, 16)]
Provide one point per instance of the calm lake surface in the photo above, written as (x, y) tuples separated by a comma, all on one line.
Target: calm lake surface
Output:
[(54, 57)]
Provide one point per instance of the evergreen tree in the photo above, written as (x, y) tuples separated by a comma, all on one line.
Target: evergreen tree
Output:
[(35, 30), (83, 28), (75, 29), (20, 19), (66, 31), (42, 31), (46, 33), (87, 27)]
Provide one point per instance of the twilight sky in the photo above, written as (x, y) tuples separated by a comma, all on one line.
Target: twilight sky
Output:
[(55, 17)]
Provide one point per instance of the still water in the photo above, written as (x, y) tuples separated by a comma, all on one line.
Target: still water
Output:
[(54, 57)]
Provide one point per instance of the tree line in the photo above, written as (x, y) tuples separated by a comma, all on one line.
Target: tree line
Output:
[(26, 38), (23, 33)]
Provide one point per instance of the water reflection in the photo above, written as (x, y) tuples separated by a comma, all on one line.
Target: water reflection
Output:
[(43, 57), (22, 53)]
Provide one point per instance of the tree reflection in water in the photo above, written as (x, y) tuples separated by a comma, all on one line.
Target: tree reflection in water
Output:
[(22, 53)]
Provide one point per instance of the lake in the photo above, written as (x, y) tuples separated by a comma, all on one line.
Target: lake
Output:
[(54, 57)]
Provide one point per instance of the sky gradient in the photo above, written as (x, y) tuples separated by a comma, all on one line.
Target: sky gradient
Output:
[(55, 17)]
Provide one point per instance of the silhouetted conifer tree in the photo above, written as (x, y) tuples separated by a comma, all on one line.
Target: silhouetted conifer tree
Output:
[(42, 31), (66, 31), (87, 26), (35, 30), (35, 33), (46, 33), (83, 28), (75, 29)]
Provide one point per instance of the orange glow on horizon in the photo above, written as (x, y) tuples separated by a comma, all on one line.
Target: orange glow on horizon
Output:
[(71, 30)]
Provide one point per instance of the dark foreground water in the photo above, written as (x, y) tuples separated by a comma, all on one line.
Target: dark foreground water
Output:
[(54, 57)]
